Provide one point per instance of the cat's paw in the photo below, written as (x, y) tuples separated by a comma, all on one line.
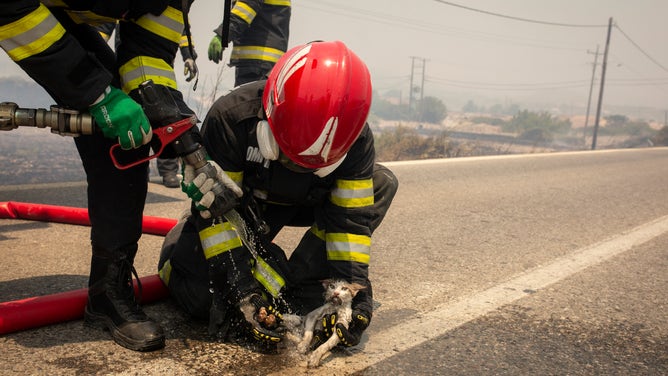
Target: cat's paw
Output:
[(313, 360), (302, 347)]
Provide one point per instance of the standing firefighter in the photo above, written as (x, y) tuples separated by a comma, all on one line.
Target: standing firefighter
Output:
[(168, 168), (299, 146), (56, 44), (259, 31)]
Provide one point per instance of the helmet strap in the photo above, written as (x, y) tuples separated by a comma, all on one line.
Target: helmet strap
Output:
[(266, 141)]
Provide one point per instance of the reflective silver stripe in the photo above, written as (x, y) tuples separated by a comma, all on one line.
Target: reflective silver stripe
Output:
[(146, 71), (268, 277), (168, 25), (218, 238), (142, 68), (257, 53), (352, 193), (348, 247), (11, 40), (244, 11)]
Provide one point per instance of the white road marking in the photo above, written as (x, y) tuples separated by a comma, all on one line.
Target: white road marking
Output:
[(429, 325), (418, 162)]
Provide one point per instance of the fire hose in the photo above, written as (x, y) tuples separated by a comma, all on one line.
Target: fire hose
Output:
[(74, 216), (43, 310)]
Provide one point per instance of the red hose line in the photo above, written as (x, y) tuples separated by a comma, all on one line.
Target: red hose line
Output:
[(76, 216), (50, 309), (65, 306)]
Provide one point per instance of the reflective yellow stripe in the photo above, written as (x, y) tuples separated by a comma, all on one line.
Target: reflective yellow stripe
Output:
[(168, 25), (30, 35), (268, 277), (105, 36), (142, 68), (244, 11), (318, 232), (282, 3), (219, 238), (165, 272), (237, 177), (183, 42), (348, 247), (353, 193), (256, 53)]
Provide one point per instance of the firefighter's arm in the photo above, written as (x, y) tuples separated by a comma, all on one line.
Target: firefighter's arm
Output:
[(348, 216), (241, 17), (189, 56)]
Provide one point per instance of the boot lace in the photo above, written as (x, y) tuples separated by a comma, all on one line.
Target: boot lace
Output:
[(128, 305)]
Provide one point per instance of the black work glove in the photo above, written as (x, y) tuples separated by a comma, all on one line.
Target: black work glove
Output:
[(262, 318), (349, 337)]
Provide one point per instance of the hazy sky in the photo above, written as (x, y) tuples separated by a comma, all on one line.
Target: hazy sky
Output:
[(473, 53)]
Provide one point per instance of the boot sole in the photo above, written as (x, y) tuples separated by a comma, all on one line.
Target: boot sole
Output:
[(103, 322)]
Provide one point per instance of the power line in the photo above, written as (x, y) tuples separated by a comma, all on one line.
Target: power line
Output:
[(515, 18), (433, 28), (508, 86), (639, 48)]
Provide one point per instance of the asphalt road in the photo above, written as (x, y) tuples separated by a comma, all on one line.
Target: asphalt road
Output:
[(548, 264)]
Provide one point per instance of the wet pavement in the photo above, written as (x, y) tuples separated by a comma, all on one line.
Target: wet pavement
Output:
[(539, 264)]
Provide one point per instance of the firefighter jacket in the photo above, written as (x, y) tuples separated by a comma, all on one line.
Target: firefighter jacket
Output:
[(342, 201), (49, 40), (107, 29), (259, 30)]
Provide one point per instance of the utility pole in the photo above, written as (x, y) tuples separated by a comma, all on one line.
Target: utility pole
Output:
[(410, 88), (415, 66), (600, 93), (591, 88), (424, 68)]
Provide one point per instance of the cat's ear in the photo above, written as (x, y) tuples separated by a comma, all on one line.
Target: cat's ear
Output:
[(326, 282), (356, 287)]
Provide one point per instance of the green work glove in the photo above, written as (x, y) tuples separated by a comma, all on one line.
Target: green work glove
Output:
[(216, 49), (119, 116)]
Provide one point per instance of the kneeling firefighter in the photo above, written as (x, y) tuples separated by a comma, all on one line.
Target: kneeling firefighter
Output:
[(299, 147)]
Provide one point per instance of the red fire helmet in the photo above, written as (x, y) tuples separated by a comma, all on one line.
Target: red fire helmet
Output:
[(317, 100)]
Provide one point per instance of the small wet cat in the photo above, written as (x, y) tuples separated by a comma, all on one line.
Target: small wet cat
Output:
[(339, 295)]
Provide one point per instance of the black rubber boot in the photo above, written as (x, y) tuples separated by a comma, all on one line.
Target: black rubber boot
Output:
[(112, 305)]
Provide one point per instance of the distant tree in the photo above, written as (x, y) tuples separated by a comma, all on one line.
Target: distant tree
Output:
[(432, 110), (536, 126), (496, 109), (388, 110), (487, 120), (512, 109), (661, 137), (470, 106), (615, 121), (621, 125)]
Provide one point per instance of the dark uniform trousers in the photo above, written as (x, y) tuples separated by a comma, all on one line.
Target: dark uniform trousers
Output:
[(188, 279)]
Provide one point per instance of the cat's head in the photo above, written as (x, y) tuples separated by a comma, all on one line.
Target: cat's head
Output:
[(338, 291)]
